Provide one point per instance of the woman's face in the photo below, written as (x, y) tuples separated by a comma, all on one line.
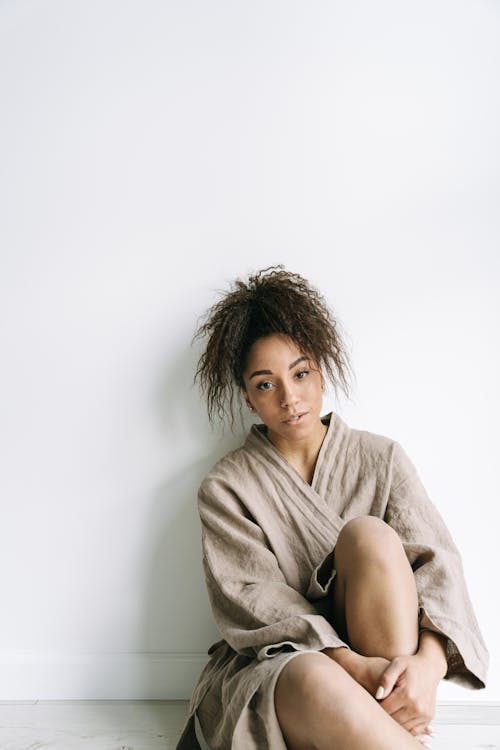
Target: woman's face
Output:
[(284, 387)]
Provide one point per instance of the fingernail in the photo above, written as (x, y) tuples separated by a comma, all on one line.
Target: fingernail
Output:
[(380, 693), (431, 730)]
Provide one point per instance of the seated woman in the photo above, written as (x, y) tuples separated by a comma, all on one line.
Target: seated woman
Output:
[(335, 584)]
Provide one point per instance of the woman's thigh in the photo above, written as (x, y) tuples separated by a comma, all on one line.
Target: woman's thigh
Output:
[(313, 689)]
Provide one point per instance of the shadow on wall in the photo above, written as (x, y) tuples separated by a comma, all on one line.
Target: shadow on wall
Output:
[(181, 409), (177, 616), (176, 611)]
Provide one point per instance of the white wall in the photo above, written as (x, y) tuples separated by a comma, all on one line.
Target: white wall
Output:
[(152, 151)]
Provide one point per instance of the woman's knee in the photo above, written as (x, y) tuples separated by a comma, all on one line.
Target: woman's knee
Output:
[(308, 687), (308, 681), (367, 536)]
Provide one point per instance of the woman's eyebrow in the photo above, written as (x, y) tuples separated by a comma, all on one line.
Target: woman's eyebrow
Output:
[(269, 372)]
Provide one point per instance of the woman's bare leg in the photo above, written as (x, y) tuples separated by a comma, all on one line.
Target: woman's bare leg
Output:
[(375, 598), (318, 704), (320, 707)]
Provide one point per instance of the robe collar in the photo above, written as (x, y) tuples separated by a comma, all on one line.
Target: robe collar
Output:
[(315, 494)]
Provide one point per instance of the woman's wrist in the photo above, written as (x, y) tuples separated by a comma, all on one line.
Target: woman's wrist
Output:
[(340, 654), (432, 648)]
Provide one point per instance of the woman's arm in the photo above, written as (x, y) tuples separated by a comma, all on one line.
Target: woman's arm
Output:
[(406, 686), (444, 602), (432, 648), (257, 612), (367, 670)]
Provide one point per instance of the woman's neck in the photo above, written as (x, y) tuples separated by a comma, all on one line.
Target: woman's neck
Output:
[(302, 454)]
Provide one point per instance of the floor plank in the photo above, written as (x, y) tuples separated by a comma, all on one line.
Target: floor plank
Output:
[(91, 725)]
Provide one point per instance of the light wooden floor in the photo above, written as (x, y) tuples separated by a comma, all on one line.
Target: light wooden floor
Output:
[(156, 725)]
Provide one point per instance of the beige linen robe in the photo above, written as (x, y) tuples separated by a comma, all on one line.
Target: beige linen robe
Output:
[(268, 538)]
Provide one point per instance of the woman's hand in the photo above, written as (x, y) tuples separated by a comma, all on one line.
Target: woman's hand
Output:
[(400, 681), (366, 670), (409, 691)]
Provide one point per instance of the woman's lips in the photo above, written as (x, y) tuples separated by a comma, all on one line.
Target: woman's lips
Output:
[(295, 418)]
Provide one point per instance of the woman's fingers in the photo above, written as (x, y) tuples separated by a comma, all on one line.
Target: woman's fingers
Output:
[(413, 724), (401, 710), (389, 678), (423, 733), (422, 728), (411, 715), (423, 739)]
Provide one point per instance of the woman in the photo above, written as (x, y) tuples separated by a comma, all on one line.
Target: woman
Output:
[(319, 542)]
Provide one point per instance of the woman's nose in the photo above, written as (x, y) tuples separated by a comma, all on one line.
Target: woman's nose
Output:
[(288, 397)]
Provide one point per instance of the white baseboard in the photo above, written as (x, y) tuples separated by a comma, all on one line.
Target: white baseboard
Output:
[(468, 712), (121, 676)]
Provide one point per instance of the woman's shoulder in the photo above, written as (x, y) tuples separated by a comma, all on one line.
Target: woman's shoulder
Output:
[(385, 452), (379, 452), (230, 470), (369, 443)]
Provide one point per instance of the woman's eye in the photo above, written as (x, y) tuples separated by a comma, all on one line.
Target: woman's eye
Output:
[(301, 374), (265, 386)]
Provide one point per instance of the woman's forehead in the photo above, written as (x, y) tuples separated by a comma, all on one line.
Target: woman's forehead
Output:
[(276, 348)]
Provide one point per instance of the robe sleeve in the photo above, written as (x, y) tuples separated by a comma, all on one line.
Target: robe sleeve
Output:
[(257, 612), (444, 603), (322, 577)]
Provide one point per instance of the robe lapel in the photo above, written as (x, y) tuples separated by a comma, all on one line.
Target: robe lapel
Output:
[(310, 500)]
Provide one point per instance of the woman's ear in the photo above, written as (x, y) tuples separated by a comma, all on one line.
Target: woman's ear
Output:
[(244, 395)]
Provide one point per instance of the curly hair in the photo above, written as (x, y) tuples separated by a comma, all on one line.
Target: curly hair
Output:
[(272, 301)]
